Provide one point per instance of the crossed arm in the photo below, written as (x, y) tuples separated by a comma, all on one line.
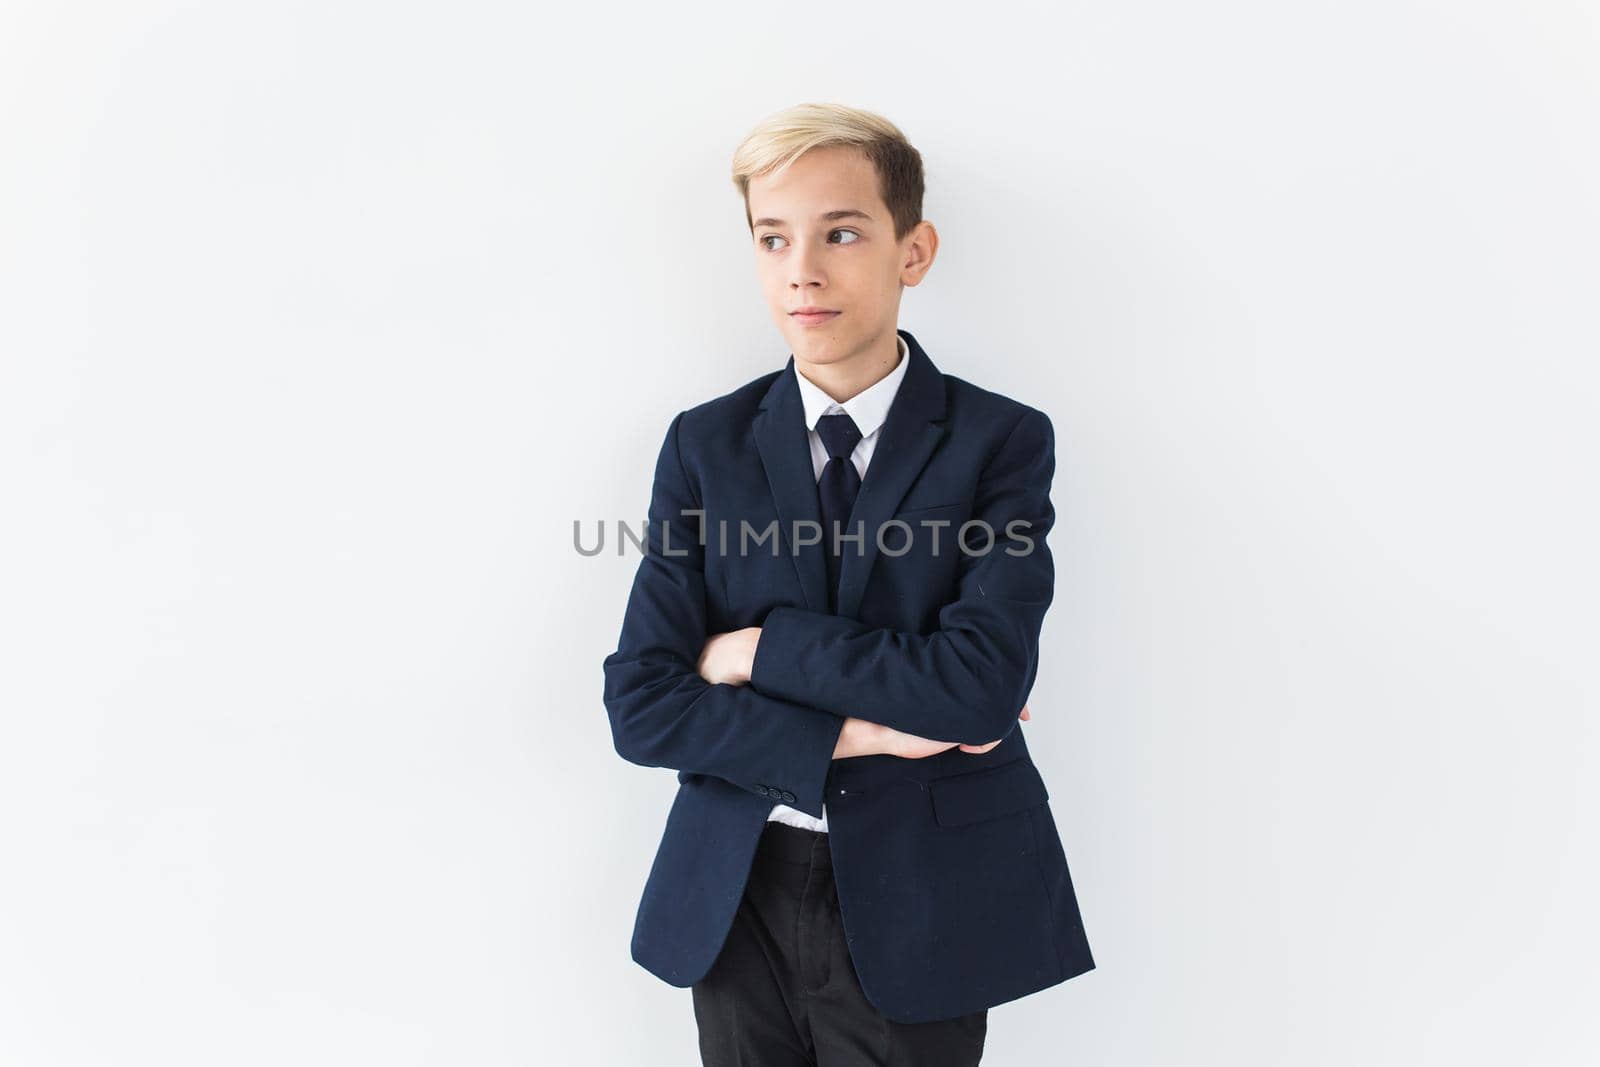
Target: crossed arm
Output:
[(774, 724), (729, 657)]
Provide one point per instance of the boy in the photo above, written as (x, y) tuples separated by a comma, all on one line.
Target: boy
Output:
[(861, 858)]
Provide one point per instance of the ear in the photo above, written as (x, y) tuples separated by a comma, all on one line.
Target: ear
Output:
[(922, 245)]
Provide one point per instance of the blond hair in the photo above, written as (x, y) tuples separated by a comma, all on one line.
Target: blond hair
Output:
[(783, 138)]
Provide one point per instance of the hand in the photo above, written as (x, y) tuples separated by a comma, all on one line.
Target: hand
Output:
[(862, 737), (728, 658), (1024, 716)]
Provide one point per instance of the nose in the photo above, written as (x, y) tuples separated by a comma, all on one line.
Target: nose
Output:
[(805, 267)]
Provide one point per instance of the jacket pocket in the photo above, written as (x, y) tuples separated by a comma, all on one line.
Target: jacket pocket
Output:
[(960, 799), (918, 509)]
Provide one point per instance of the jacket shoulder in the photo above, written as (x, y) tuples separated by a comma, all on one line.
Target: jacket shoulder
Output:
[(711, 421), (970, 401)]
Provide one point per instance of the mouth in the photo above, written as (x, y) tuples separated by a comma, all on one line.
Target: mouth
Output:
[(812, 316)]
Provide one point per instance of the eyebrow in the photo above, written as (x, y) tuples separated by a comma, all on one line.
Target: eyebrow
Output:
[(826, 216)]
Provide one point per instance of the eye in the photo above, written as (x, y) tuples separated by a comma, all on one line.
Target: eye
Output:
[(854, 237)]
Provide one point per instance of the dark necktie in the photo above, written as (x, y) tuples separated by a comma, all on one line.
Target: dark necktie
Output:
[(836, 491)]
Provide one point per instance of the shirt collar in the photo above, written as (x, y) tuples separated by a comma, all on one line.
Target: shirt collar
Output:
[(867, 409)]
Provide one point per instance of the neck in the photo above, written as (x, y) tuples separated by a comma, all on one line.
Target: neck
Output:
[(843, 378)]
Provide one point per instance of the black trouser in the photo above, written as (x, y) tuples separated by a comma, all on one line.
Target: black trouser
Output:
[(783, 992)]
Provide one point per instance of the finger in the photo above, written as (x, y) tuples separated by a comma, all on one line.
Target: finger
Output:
[(1026, 715)]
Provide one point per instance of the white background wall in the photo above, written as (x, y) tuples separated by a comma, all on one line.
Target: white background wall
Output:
[(322, 322)]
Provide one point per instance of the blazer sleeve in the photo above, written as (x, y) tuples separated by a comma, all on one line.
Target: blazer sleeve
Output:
[(663, 714), (968, 680)]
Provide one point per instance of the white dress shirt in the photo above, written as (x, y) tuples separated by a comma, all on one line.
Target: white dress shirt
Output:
[(867, 409)]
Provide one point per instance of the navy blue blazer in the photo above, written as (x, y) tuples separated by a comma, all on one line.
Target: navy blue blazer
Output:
[(952, 881)]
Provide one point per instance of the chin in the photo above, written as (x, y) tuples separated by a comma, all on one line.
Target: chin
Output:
[(818, 348)]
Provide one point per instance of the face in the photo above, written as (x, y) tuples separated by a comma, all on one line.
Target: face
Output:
[(823, 238)]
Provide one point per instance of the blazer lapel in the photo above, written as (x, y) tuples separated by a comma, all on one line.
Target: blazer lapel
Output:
[(910, 433), (780, 430)]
